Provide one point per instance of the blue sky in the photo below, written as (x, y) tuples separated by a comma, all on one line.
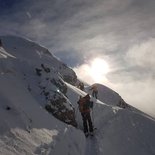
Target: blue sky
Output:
[(119, 31)]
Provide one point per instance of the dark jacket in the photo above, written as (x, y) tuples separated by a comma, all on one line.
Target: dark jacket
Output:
[(84, 104)]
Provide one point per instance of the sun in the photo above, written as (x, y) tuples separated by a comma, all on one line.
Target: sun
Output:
[(93, 71), (98, 69)]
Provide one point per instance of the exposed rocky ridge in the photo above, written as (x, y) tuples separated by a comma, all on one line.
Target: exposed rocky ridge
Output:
[(42, 73)]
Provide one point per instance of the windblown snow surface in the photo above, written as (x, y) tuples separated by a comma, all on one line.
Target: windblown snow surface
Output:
[(26, 128)]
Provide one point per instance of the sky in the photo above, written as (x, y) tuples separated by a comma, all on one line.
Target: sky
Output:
[(120, 32)]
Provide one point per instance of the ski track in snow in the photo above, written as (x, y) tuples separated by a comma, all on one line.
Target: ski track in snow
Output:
[(91, 146), (91, 142)]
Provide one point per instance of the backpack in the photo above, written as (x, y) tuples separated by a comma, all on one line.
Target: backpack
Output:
[(84, 105), (91, 104)]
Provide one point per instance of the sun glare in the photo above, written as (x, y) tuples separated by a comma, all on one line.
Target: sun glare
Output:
[(98, 69)]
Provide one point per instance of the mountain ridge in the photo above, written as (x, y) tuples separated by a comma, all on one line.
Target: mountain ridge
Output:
[(34, 81)]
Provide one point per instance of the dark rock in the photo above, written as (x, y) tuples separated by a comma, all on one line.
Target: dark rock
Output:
[(1, 43), (59, 110), (8, 108), (38, 71), (46, 69)]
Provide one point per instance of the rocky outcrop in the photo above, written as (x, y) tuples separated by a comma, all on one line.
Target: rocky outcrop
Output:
[(57, 106), (122, 104), (43, 75), (53, 89)]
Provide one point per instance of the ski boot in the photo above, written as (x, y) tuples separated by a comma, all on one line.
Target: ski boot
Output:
[(86, 134)]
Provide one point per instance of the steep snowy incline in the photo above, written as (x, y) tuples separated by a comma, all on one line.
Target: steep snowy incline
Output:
[(107, 95), (33, 54), (26, 128), (42, 74), (4, 54), (119, 131)]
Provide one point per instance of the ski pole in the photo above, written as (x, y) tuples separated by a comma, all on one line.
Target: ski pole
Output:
[(76, 114), (93, 117)]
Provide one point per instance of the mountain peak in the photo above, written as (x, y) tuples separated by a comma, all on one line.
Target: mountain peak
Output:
[(38, 97)]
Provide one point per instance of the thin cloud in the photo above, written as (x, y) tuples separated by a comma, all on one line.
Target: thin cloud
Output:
[(142, 54), (120, 31), (139, 93)]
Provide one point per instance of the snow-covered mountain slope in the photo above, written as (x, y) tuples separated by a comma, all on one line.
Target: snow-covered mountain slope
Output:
[(27, 129), (41, 73), (33, 80), (119, 130), (105, 94), (29, 52)]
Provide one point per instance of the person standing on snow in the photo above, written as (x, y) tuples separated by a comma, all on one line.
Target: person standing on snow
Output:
[(84, 108), (81, 86), (94, 90)]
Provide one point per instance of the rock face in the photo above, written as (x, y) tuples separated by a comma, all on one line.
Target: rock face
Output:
[(56, 100), (122, 103), (44, 76), (57, 107)]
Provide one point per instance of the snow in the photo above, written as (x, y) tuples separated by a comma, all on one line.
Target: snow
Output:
[(4, 54), (27, 128)]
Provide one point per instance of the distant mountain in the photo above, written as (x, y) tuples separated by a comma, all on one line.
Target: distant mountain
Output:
[(38, 90)]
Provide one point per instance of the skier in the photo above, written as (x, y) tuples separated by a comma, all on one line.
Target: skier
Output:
[(94, 91), (81, 86), (84, 108)]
